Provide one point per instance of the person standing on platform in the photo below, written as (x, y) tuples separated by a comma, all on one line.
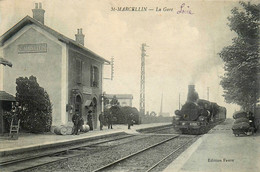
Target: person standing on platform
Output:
[(251, 118), (16, 112), (101, 120), (110, 120), (76, 122), (129, 120), (90, 123)]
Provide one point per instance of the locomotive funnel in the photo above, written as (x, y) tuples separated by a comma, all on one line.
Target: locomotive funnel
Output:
[(192, 94), (191, 88)]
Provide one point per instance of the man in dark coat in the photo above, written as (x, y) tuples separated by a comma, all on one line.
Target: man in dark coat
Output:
[(129, 120), (110, 120), (251, 118), (16, 110), (90, 123), (76, 122), (101, 120)]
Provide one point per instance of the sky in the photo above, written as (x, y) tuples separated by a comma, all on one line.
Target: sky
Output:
[(182, 48)]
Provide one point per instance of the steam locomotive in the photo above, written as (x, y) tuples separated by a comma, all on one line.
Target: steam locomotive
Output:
[(198, 116)]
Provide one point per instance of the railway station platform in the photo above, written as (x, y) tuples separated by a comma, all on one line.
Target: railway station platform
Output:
[(220, 151), (29, 142)]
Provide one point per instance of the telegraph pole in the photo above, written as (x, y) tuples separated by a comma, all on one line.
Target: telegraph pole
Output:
[(142, 82), (111, 78), (112, 69), (161, 108)]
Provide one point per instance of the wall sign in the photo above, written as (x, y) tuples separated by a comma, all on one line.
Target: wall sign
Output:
[(32, 48)]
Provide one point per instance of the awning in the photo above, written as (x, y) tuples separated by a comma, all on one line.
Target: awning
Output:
[(4, 96), (87, 102), (5, 62)]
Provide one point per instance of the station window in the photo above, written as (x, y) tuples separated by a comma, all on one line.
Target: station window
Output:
[(94, 76)]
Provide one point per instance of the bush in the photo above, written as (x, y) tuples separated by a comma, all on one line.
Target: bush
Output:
[(120, 114), (126, 110), (36, 114), (117, 116)]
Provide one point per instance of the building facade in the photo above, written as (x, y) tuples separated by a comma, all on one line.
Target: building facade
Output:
[(69, 72), (123, 99)]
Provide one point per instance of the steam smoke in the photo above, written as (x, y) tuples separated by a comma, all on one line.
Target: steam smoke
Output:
[(204, 67)]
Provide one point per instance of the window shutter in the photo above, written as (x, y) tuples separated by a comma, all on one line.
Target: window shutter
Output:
[(78, 71), (94, 76), (97, 77), (91, 76)]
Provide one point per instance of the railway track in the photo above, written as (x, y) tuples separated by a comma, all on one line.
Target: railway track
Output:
[(156, 130), (132, 163), (50, 156), (167, 156), (43, 160)]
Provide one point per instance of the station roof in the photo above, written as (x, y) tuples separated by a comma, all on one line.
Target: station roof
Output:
[(119, 96), (5, 62), (29, 20), (4, 96)]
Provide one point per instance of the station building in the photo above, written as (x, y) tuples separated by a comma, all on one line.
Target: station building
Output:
[(123, 99), (69, 72)]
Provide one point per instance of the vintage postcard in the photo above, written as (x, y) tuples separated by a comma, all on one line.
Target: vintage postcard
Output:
[(78, 66)]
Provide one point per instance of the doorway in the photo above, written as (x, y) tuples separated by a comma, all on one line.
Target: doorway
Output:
[(94, 107), (78, 105)]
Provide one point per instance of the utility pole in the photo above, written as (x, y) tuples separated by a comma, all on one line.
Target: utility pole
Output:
[(112, 69), (161, 109), (103, 96), (142, 82)]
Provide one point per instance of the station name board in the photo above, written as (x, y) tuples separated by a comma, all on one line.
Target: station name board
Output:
[(32, 48)]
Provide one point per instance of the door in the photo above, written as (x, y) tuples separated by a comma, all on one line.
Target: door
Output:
[(78, 105)]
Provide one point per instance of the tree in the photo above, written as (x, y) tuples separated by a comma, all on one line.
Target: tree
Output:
[(116, 111), (241, 80), (126, 110), (114, 101), (36, 115)]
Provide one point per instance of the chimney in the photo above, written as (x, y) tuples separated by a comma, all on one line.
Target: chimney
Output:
[(192, 94), (191, 88), (38, 12), (80, 37)]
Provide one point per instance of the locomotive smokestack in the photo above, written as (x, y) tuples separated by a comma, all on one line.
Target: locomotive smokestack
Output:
[(191, 88), (192, 94)]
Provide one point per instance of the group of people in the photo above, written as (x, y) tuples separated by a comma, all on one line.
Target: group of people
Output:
[(109, 119), (78, 121)]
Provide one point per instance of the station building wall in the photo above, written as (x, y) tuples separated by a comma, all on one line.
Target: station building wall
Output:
[(84, 62), (44, 63)]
